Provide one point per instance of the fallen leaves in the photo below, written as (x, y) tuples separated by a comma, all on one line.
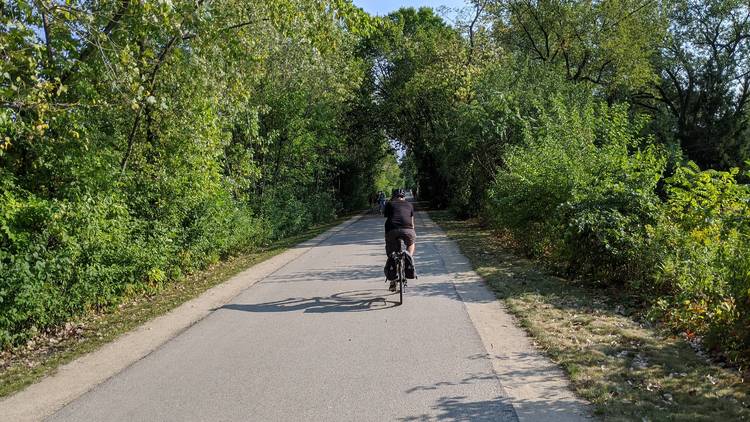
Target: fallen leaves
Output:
[(624, 365)]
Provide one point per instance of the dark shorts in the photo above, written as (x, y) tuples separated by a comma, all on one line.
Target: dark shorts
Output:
[(391, 239)]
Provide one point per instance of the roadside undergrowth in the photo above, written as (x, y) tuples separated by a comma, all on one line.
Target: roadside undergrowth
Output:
[(627, 368), (42, 355)]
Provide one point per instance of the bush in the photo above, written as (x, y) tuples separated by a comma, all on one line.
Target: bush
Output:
[(702, 245), (580, 191), (59, 259)]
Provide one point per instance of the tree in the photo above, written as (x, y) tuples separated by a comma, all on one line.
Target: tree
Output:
[(143, 140), (607, 43), (417, 64), (705, 80), (390, 176)]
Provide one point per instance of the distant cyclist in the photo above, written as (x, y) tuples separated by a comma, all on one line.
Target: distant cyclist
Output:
[(381, 202), (399, 224), (372, 200)]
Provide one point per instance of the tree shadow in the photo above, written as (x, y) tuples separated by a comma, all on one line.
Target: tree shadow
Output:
[(616, 354), (465, 381), (456, 407), (435, 279), (461, 408), (368, 230), (359, 273)]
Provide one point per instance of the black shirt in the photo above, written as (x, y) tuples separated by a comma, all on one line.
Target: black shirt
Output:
[(398, 215)]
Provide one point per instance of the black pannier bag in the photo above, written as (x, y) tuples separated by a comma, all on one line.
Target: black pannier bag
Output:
[(390, 269), (410, 271), (391, 272)]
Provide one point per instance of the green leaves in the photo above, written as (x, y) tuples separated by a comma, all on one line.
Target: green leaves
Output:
[(584, 181), (161, 136), (608, 43), (705, 86)]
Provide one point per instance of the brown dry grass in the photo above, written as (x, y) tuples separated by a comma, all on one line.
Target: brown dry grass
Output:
[(628, 369)]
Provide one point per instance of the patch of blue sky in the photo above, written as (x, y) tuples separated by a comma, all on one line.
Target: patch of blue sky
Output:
[(383, 7)]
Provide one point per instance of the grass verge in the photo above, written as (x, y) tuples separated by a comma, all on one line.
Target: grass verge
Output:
[(24, 365), (628, 369)]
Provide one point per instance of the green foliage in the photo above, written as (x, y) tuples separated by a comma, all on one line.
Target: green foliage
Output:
[(522, 113), (580, 190), (62, 258), (391, 176), (140, 141), (581, 193), (705, 86), (607, 43), (417, 65), (143, 140), (704, 264)]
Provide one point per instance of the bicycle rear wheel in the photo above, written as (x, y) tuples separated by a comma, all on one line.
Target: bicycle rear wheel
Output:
[(401, 275), (400, 291)]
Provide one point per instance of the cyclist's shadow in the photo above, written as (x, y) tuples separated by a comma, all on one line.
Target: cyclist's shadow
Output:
[(350, 301)]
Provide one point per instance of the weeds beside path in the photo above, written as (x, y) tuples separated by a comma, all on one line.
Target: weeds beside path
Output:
[(626, 368), (40, 357)]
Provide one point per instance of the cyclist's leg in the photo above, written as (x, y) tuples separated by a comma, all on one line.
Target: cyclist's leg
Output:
[(391, 242), (410, 239)]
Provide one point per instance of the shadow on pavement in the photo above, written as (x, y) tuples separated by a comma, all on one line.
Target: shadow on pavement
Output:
[(468, 380), (436, 280), (351, 301), (339, 274), (459, 408), (366, 231)]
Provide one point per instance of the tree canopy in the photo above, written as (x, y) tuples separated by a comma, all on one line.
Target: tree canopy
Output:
[(607, 138), (142, 140)]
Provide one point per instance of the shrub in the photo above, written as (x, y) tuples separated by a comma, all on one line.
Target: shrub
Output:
[(702, 245), (59, 259), (580, 190)]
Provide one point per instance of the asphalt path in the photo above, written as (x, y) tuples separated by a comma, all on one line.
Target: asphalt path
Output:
[(321, 339)]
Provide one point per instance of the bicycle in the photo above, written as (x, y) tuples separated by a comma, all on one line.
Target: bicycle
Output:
[(400, 260)]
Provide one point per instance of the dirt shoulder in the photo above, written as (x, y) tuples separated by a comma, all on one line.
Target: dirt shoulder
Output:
[(537, 388), (628, 369)]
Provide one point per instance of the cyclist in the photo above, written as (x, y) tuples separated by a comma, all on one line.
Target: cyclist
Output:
[(381, 202), (399, 224), (372, 199)]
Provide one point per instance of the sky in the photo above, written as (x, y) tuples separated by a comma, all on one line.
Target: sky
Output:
[(383, 7)]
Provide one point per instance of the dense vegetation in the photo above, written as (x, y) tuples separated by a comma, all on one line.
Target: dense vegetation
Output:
[(610, 138), (140, 141)]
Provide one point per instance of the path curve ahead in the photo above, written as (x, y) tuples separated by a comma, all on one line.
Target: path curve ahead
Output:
[(321, 339)]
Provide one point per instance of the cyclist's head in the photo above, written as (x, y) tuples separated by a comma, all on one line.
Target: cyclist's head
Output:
[(398, 193)]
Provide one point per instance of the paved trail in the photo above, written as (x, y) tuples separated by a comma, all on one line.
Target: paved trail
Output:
[(321, 339)]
